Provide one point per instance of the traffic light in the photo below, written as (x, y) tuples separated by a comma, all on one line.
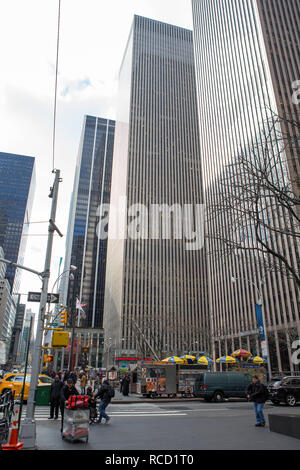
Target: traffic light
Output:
[(50, 358), (63, 316)]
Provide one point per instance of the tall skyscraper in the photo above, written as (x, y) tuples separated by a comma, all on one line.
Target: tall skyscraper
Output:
[(247, 57), (17, 186), (84, 249), (153, 294)]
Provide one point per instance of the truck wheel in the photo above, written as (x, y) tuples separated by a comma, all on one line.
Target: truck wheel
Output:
[(153, 395), (218, 396), (291, 400)]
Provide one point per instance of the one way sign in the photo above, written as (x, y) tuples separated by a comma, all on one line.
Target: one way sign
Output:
[(36, 297)]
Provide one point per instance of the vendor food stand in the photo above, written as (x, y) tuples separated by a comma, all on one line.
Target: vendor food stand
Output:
[(161, 379)]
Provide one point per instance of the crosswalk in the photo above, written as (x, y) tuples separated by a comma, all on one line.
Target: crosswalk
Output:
[(42, 413)]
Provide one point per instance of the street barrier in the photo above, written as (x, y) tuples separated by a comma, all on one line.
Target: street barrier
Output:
[(13, 441), (6, 411)]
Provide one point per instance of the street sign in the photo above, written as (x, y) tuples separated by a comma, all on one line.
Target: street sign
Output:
[(36, 297), (54, 324)]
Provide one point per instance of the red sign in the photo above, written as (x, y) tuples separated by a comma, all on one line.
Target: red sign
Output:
[(132, 359)]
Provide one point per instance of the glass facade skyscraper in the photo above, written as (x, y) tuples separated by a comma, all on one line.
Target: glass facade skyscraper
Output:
[(83, 247), (17, 186), (247, 56), (153, 298)]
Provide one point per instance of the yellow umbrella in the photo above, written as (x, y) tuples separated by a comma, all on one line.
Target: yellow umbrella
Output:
[(175, 359), (258, 360), (227, 360), (188, 358), (205, 361)]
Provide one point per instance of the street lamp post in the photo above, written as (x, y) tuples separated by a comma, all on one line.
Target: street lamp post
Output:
[(263, 328), (28, 428)]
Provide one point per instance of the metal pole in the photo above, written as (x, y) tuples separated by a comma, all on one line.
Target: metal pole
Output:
[(28, 427), (25, 371), (72, 339)]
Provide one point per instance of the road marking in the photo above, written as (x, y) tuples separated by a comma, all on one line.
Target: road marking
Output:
[(147, 415)]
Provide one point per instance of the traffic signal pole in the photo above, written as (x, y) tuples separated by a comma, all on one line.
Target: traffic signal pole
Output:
[(28, 427)]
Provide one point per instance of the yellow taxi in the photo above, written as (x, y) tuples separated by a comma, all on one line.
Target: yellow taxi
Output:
[(15, 381)]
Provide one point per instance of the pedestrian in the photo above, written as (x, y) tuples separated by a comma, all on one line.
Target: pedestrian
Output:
[(73, 376), (66, 391), (66, 376), (96, 382), (55, 390), (92, 377), (125, 385), (83, 381), (92, 405), (257, 392), (106, 393)]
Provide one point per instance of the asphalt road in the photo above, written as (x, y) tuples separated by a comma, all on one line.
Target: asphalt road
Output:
[(173, 426)]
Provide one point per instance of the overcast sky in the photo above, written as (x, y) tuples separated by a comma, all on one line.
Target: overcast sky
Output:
[(93, 36)]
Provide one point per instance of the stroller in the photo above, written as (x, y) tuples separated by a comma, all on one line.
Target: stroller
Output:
[(92, 407)]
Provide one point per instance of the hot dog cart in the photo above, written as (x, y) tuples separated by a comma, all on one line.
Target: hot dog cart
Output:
[(166, 379)]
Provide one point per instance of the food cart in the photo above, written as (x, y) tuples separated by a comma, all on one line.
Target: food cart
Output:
[(166, 379)]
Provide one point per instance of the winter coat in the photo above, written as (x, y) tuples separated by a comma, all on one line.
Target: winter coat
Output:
[(83, 381), (125, 386), (103, 392), (66, 392), (55, 389), (256, 392)]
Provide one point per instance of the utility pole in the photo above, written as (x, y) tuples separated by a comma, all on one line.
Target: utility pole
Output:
[(28, 427)]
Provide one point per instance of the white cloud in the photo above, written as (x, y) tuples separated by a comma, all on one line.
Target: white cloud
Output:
[(93, 37)]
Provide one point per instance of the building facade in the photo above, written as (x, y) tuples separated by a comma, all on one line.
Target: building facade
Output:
[(17, 186), (153, 299), (14, 354), (84, 249), (7, 312), (247, 56)]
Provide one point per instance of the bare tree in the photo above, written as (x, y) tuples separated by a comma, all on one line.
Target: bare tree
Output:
[(254, 205)]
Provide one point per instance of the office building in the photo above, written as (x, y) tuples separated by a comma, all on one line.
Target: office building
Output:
[(153, 298), (84, 249), (246, 58), (17, 185), (7, 312)]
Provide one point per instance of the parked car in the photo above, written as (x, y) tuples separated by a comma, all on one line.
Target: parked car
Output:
[(286, 390), (219, 385), (14, 382)]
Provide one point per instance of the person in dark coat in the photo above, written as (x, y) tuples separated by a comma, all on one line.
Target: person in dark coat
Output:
[(66, 391), (55, 390), (105, 393), (256, 393), (125, 385)]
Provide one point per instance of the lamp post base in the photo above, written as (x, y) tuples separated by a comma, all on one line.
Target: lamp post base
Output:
[(28, 434)]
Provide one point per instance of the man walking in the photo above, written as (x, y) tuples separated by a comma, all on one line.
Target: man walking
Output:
[(66, 392), (106, 393), (55, 390), (257, 394)]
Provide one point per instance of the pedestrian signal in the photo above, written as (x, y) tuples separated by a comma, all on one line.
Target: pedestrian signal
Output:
[(50, 358)]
